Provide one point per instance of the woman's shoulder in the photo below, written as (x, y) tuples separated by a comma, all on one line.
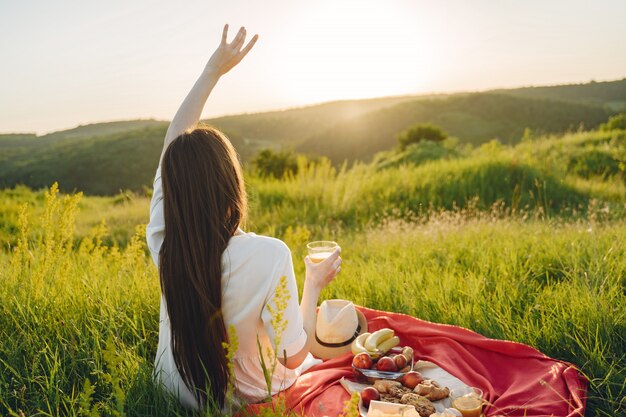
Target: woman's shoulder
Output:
[(260, 243)]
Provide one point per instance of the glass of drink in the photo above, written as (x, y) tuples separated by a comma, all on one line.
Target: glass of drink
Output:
[(468, 400), (321, 249)]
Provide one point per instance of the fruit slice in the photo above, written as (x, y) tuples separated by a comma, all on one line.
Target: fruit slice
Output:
[(388, 344), (357, 344), (375, 339)]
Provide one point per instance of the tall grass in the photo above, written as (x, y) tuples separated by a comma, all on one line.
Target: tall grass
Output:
[(78, 324), (496, 243)]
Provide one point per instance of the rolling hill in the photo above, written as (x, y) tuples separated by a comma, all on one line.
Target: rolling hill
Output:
[(473, 118), (292, 126), (104, 158), (608, 94)]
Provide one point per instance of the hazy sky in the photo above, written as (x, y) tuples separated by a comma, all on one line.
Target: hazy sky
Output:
[(64, 63)]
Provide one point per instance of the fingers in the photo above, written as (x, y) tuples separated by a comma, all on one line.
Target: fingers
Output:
[(333, 256), (336, 267), (239, 39), (333, 274), (335, 264), (225, 34), (249, 46)]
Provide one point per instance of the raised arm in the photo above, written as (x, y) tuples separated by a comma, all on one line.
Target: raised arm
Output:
[(225, 57)]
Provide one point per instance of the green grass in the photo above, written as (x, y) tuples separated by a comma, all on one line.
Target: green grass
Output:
[(506, 241)]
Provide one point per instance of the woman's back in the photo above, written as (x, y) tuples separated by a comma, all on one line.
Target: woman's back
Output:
[(252, 266)]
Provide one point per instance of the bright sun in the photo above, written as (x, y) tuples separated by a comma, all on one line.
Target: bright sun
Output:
[(355, 49)]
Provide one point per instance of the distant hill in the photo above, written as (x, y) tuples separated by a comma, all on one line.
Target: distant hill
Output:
[(107, 128), (293, 127), (101, 164), (290, 127), (473, 118), (609, 94), (103, 158)]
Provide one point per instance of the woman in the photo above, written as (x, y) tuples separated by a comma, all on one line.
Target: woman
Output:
[(212, 273)]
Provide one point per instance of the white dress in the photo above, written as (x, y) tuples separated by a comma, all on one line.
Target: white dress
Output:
[(252, 266)]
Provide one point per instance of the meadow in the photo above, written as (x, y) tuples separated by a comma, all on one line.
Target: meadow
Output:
[(523, 242)]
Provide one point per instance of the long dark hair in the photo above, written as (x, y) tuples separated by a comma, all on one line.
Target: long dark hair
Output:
[(204, 203)]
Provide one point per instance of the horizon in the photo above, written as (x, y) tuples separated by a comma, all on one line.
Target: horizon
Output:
[(271, 110), (373, 49)]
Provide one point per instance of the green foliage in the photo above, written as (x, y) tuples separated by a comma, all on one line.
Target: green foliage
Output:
[(419, 133), (533, 178), (275, 164), (85, 408), (583, 155), (231, 349), (269, 357), (113, 363), (351, 408), (416, 154), (617, 122), (595, 162)]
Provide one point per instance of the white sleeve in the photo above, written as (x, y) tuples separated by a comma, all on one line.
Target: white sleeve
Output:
[(155, 231), (294, 336)]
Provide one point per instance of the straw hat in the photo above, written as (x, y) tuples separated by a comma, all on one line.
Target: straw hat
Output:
[(338, 324)]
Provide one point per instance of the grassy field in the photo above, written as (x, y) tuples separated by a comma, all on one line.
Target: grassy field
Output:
[(523, 243)]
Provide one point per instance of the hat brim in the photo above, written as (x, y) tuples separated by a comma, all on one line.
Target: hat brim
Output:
[(325, 352)]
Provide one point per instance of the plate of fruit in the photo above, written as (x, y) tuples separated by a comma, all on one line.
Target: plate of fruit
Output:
[(377, 355)]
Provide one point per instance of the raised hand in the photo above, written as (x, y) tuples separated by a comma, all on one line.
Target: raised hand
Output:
[(227, 55)]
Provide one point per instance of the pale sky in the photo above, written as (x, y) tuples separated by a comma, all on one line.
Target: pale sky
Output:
[(70, 62)]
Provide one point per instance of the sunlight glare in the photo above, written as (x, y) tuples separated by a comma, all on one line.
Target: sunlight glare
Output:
[(355, 49)]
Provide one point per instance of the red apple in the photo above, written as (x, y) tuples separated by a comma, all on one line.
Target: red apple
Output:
[(362, 361), (368, 394), (386, 364), (411, 379), (400, 361)]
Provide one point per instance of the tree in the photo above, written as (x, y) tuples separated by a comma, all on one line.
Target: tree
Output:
[(275, 164), (418, 133)]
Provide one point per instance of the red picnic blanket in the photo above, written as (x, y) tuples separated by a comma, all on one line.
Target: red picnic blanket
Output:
[(517, 379)]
